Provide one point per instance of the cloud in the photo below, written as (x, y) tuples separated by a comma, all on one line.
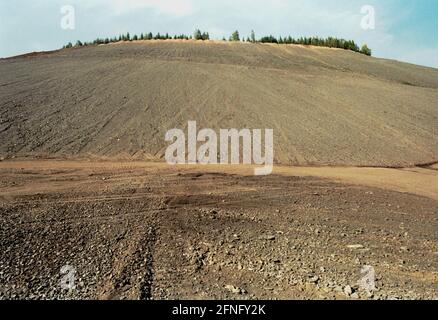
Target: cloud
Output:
[(174, 8)]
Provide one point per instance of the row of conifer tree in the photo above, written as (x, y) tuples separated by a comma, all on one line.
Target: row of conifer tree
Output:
[(331, 42)]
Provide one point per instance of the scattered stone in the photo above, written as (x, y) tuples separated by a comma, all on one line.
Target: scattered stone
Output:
[(234, 289), (355, 246), (348, 291), (313, 279), (268, 237), (338, 289), (370, 295)]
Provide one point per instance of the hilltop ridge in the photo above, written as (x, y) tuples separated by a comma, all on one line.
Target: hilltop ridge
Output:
[(326, 106)]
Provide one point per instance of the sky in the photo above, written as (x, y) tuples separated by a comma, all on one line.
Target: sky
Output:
[(404, 30)]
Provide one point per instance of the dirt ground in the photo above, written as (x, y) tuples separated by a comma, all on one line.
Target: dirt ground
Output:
[(326, 106), (131, 229), (151, 231)]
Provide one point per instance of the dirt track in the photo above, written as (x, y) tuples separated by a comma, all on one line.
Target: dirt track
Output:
[(150, 231), (326, 106)]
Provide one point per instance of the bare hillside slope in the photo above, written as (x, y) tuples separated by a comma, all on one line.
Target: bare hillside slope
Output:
[(326, 106)]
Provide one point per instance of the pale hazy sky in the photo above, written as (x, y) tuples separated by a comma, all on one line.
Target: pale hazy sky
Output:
[(405, 29)]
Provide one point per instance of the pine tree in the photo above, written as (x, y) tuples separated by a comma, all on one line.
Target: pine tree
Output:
[(253, 37), (197, 35), (235, 36), (268, 39), (365, 50), (205, 36)]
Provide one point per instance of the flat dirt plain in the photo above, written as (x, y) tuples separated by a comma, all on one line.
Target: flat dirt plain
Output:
[(83, 183), (152, 231)]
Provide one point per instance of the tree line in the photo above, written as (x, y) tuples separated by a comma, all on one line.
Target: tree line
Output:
[(330, 42), (128, 37)]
